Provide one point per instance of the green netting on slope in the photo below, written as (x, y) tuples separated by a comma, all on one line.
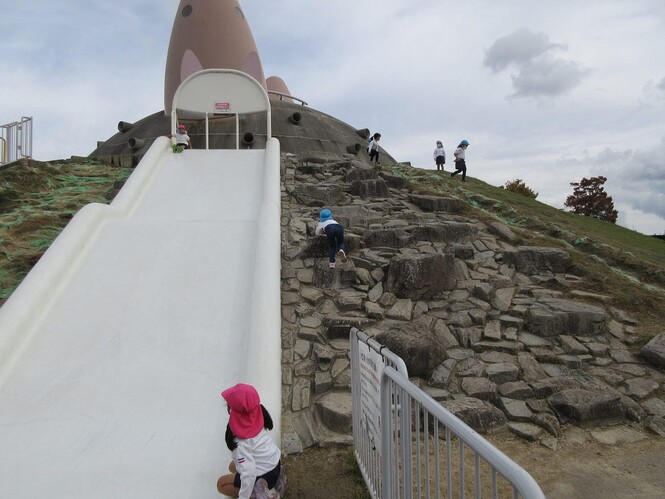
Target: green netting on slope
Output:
[(37, 201)]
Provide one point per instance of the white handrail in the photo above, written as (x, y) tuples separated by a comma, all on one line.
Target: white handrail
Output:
[(523, 483), (282, 96)]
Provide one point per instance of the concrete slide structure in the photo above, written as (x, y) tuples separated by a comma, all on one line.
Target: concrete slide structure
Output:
[(115, 348)]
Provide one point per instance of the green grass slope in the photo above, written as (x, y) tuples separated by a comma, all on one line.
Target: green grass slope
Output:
[(37, 200)]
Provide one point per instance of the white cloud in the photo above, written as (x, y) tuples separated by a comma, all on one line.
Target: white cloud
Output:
[(415, 70), (547, 76), (518, 48), (539, 73), (661, 85)]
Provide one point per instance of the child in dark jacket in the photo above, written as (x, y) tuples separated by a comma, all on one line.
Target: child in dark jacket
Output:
[(335, 234)]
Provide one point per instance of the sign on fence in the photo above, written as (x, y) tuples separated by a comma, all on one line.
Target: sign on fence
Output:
[(371, 366)]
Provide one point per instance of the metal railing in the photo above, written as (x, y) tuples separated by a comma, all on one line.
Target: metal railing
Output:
[(424, 449), (16, 140), (419, 438), (365, 439), (283, 96)]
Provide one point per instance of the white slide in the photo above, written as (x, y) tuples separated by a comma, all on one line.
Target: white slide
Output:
[(115, 348)]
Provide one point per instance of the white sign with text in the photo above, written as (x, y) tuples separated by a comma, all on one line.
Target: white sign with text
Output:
[(371, 366)]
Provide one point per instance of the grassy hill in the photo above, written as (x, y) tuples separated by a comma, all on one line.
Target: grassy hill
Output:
[(625, 265), (38, 199)]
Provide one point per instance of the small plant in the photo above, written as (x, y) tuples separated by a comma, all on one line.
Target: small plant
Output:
[(518, 186)]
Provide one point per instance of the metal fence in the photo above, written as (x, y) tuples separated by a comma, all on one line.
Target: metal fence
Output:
[(365, 352), (16, 140), (425, 450)]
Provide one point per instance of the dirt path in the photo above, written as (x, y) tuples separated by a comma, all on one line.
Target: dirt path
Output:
[(580, 467), (588, 469)]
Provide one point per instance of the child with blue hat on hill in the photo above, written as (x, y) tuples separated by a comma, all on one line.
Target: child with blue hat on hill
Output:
[(335, 234), (460, 159)]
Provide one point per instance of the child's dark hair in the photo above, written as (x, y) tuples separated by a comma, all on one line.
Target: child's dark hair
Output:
[(231, 438)]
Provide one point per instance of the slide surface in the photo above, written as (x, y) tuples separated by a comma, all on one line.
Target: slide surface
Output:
[(114, 350)]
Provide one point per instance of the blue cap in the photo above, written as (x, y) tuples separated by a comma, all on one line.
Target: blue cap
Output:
[(464, 143), (325, 215)]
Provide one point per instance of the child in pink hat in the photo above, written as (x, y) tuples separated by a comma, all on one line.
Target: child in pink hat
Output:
[(253, 452)]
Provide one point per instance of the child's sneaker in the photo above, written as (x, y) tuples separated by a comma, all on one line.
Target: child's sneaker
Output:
[(342, 255), (331, 265)]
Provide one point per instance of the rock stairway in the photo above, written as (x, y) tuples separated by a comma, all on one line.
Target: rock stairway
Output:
[(483, 322)]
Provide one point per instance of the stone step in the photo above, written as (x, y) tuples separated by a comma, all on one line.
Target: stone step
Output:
[(334, 411)]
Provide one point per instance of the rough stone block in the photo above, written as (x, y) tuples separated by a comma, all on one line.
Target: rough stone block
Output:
[(370, 188), (548, 386), (419, 345), (581, 406), (480, 388), (301, 394), (555, 317), (334, 409), (492, 331), (654, 351), (421, 276), (526, 431), (437, 203), (533, 260), (502, 373), (547, 421), (481, 416), (516, 410), (446, 232), (518, 390), (640, 388)]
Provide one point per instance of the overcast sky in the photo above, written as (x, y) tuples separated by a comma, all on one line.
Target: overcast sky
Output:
[(549, 92)]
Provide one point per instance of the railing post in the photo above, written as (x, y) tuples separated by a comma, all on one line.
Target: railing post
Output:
[(387, 465), (237, 132), (207, 132)]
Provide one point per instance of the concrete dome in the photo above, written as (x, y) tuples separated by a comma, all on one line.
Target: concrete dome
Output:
[(300, 129)]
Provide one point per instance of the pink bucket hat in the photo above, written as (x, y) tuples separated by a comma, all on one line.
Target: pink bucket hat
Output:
[(246, 417)]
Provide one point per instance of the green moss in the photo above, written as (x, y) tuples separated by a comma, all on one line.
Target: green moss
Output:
[(37, 201)]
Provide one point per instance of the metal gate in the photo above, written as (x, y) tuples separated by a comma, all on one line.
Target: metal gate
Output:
[(16, 140), (415, 447)]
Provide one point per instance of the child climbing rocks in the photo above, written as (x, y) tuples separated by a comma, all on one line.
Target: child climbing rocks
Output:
[(373, 148), (335, 234), (255, 455)]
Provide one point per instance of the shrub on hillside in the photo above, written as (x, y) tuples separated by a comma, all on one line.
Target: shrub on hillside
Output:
[(520, 187)]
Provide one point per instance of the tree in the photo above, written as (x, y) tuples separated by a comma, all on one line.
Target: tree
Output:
[(590, 199), (520, 187)]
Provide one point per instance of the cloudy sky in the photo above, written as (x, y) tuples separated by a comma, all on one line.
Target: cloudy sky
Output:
[(549, 92)]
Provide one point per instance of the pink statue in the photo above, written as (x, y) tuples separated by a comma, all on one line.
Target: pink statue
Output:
[(211, 34)]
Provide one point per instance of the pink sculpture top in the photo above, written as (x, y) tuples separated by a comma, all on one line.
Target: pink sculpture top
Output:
[(209, 34)]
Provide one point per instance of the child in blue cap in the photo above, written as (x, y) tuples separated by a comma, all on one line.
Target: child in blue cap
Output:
[(335, 234)]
